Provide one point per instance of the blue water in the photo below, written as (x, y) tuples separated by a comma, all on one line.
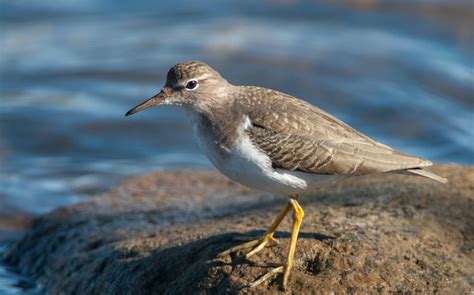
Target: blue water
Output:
[(400, 71)]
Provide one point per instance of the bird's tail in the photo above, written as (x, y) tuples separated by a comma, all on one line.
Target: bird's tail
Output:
[(427, 174)]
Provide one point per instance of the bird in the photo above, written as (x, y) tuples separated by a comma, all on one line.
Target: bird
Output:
[(274, 142)]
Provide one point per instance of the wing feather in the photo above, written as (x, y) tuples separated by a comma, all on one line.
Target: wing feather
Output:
[(299, 136), (328, 156)]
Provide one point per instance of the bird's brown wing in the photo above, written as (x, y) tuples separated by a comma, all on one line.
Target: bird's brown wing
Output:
[(294, 152), (299, 136), (286, 114)]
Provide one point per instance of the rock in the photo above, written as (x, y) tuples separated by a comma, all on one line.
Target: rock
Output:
[(160, 233)]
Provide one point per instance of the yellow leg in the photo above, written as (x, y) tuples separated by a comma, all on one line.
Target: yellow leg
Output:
[(259, 244), (298, 215), (297, 220)]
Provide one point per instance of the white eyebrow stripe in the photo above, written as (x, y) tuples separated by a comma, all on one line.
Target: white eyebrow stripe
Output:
[(202, 77), (198, 78)]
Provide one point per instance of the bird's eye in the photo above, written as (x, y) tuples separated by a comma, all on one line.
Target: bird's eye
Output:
[(192, 84)]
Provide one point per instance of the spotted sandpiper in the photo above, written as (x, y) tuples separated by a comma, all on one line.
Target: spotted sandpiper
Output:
[(274, 142)]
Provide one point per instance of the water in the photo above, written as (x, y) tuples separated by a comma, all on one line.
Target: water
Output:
[(401, 72)]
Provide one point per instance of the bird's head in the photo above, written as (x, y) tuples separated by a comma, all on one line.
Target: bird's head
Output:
[(193, 84)]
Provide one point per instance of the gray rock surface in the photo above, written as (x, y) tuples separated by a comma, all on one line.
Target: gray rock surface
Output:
[(160, 233)]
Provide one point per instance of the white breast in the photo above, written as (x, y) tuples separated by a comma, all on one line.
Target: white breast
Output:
[(248, 165)]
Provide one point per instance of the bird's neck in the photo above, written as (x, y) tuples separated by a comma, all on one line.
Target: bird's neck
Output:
[(219, 123)]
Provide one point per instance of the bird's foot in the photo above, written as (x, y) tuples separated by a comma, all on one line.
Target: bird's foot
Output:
[(283, 269), (257, 245)]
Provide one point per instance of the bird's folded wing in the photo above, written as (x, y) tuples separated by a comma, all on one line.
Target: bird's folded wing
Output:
[(299, 136), (326, 156), (285, 114)]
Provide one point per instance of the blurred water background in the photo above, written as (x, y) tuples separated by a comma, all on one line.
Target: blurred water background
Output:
[(400, 71)]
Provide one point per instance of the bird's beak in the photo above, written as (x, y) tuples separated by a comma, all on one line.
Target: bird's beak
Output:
[(152, 101)]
